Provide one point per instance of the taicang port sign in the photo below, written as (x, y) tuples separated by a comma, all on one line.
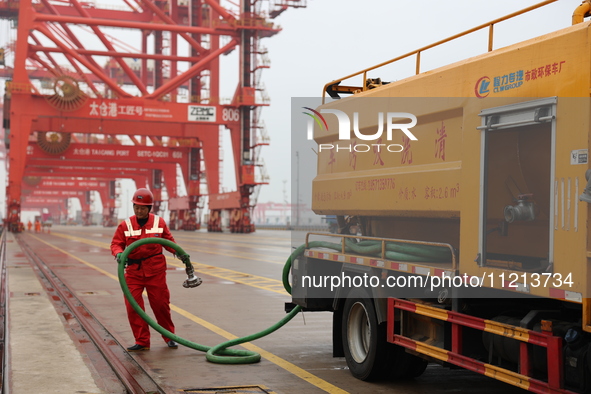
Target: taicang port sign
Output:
[(119, 152)]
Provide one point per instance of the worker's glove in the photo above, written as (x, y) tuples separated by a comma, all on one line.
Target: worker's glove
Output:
[(192, 280), (118, 257), (186, 259)]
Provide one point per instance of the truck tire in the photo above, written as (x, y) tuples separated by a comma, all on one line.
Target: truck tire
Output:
[(416, 366), (364, 340), (402, 365)]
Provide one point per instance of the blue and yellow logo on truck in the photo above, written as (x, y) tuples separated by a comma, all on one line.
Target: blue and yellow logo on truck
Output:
[(514, 80)]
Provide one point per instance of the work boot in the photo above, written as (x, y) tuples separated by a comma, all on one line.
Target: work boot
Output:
[(137, 348), (172, 344)]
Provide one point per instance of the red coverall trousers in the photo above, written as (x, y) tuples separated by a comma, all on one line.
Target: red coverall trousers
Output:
[(159, 299)]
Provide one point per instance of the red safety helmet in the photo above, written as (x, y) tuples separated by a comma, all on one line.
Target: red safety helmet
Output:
[(143, 197)]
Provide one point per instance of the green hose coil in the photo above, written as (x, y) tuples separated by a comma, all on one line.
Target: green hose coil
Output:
[(220, 353)]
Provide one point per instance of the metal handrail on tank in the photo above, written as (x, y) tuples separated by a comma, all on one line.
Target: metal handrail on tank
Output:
[(417, 52), (383, 244)]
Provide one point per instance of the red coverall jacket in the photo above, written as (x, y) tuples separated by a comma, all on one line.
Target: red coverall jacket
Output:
[(146, 270)]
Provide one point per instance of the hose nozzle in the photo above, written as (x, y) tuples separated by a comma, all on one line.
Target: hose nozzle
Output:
[(192, 280)]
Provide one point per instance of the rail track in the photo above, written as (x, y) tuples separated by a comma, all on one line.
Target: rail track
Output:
[(119, 371)]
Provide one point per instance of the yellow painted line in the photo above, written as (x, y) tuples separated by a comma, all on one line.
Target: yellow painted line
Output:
[(198, 238), (229, 236), (239, 277), (102, 271), (240, 256), (289, 367), (222, 273), (102, 244)]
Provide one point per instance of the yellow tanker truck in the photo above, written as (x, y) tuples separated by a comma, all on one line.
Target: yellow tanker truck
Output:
[(463, 201)]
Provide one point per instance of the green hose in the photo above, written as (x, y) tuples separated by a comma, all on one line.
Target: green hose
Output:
[(219, 353), (395, 251)]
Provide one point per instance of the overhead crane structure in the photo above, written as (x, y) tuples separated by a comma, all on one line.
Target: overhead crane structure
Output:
[(37, 188), (56, 207), (154, 163), (54, 193), (173, 105)]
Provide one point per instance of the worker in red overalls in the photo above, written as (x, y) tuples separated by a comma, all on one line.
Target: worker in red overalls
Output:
[(146, 268)]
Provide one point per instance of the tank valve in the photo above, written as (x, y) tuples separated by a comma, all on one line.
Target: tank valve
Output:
[(523, 210)]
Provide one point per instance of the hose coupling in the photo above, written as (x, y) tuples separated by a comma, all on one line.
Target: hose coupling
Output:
[(192, 280)]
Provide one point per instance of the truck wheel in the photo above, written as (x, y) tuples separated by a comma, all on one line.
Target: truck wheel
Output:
[(396, 362), (416, 366), (364, 341), (402, 365)]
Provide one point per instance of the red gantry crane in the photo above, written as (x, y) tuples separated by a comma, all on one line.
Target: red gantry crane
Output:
[(56, 207), (154, 163), (165, 95), (64, 188)]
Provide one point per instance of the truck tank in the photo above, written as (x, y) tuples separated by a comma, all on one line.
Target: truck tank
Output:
[(498, 162), (487, 157)]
